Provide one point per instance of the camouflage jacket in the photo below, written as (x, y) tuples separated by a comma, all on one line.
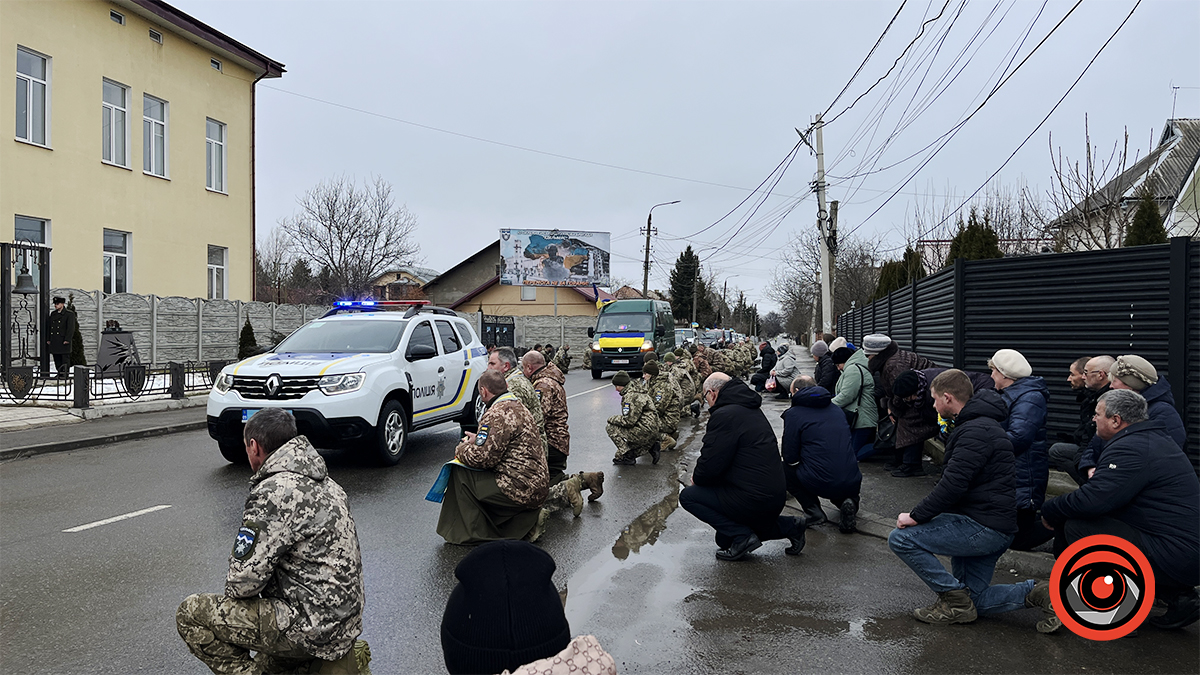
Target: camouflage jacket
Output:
[(562, 359), (666, 397), (548, 384), (700, 361), (522, 388), (687, 386), (638, 414), (507, 443), (298, 545)]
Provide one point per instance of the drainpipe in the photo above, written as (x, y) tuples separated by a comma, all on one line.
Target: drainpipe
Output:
[(253, 184)]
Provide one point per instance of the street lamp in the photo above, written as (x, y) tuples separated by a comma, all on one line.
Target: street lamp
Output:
[(646, 264)]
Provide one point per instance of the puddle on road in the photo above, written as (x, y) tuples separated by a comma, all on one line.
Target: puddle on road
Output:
[(644, 529)]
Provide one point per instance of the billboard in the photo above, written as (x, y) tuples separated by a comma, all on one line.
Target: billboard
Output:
[(554, 258)]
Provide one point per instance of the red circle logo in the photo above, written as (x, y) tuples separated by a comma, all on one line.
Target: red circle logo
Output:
[(1102, 587)]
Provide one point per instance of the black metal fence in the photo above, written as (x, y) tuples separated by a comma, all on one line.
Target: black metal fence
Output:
[(1053, 309), (32, 385)]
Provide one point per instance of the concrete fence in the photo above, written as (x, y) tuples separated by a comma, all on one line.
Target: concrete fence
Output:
[(181, 329)]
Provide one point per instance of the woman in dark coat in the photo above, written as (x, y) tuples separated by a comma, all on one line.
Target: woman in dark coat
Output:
[(759, 379), (889, 363)]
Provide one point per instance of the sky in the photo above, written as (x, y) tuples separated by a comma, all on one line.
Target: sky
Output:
[(584, 115)]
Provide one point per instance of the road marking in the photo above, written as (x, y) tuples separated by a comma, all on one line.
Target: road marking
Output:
[(603, 386), (115, 519)]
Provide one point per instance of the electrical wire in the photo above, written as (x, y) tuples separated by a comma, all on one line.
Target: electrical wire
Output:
[(867, 58)]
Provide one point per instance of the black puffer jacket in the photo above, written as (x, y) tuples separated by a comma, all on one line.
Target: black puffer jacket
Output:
[(826, 373), (978, 478), (740, 456), (1086, 397), (816, 443), (1144, 481), (1160, 407), (768, 359)]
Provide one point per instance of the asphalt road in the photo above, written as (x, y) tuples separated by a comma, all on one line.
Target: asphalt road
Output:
[(639, 571)]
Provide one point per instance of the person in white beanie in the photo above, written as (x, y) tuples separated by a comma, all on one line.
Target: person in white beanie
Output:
[(1027, 397)]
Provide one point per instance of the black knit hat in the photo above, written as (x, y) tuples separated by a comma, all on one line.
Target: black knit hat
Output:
[(651, 368), (620, 379), (906, 384), (504, 612), (842, 355), (650, 356)]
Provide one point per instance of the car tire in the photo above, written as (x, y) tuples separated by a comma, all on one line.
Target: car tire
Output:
[(233, 452), (597, 374), (469, 421), (391, 433)]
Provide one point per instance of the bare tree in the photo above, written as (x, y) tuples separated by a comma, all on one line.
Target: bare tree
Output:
[(273, 259), (355, 233), (1091, 217), (796, 287)]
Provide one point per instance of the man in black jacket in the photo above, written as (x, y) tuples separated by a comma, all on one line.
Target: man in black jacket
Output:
[(1144, 491), (1064, 455), (759, 379), (60, 328), (971, 513), (738, 486)]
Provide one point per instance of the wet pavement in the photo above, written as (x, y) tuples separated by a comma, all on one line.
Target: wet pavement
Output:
[(639, 571)]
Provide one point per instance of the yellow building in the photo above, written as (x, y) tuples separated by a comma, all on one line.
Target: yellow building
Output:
[(160, 202)]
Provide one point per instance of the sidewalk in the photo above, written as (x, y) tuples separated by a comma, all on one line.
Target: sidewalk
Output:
[(55, 436)]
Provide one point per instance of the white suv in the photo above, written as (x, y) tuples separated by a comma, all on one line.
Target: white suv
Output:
[(359, 377)]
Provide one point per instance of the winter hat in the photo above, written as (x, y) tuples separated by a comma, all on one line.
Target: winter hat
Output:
[(504, 612), (692, 348), (651, 368), (58, 300), (650, 356), (680, 352), (875, 343), (669, 358), (621, 379), (842, 354), (1011, 364), (837, 344), (782, 349), (906, 384), (1137, 373), (819, 349)]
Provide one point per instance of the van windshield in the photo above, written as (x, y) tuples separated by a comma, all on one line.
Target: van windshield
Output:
[(344, 336), (624, 323)]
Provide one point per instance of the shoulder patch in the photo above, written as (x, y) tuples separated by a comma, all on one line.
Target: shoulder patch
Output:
[(624, 408), (481, 435), (658, 398), (539, 393), (247, 537)]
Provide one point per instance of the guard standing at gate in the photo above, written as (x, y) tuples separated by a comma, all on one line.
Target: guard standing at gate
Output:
[(60, 329)]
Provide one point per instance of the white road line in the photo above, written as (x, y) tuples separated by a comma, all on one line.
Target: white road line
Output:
[(115, 519), (603, 386)]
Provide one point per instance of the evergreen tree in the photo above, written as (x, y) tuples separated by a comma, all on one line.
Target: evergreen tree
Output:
[(78, 358), (247, 345), (683, 284), (896, 274), (975, 241), (1147, 226)]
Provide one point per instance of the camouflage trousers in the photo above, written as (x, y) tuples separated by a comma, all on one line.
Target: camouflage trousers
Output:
[(557, 497), (629, 443)]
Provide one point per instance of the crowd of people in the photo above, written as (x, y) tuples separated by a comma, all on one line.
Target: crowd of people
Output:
[(294, 593)]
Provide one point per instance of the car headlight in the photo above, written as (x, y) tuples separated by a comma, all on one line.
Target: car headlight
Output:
[(223, 383), (647, 345), (341, 384), (595, 346)]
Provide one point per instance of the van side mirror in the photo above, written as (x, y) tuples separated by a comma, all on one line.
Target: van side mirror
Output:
[(591, 332), (660, 331), (420, 352)]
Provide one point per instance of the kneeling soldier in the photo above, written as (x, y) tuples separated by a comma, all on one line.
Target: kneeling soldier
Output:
[(636, 430)]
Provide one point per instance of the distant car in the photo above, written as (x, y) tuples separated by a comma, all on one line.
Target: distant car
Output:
[(684, 336), (358, 377), (709, 337)]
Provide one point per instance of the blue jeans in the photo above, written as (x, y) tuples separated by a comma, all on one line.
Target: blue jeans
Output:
[(863, 442), (973, 550)]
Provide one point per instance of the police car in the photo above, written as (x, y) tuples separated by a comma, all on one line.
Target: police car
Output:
[(360, 377)]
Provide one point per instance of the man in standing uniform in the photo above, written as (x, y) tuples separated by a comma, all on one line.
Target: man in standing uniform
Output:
[(60, 329), (636, 430), (294, 592)]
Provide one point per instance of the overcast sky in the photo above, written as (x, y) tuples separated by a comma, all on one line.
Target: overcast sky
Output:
[(705, 94)]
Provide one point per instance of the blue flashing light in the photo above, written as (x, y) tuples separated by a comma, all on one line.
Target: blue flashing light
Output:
[(367, 303), (344, 303)]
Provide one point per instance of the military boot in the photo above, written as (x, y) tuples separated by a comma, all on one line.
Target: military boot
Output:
[(951, 607), (573, 487), (593, 481), (355, 662), (1040, 597), (666, 444), (655, 453)]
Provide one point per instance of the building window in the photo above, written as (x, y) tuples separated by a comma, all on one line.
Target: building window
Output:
[(34, 230), (215, 133), (156, 36), (114, 124), (33, 88), (529, 292), (154, 136), (215, 64), (116, 262), (218, 258), (116, 16)]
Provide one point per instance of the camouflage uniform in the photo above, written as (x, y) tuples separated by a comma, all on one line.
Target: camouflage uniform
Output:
[(295, 587), (548, 385), (665, 394), (703, 368), (637, 427), (716, 360), (562, 359), (500, 494), (687, 388), (522, 388)]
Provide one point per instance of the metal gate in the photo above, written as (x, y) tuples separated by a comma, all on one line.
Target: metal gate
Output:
[(498, 331)]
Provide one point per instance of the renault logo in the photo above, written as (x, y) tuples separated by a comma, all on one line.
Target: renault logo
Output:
[(273, 384)]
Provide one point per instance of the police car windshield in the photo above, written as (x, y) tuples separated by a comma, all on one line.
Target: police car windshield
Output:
[(345, 336), (623, 323)]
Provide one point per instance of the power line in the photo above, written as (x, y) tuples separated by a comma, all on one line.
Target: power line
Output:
[(868, 58)]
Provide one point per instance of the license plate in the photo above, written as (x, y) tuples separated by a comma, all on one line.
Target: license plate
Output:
[(620, 362), (248, 413)]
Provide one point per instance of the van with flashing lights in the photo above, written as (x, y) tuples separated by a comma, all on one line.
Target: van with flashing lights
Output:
[(626, 330)]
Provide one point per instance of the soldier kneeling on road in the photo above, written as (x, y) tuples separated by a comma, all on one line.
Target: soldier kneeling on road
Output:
[(294, 592), (636, 430)]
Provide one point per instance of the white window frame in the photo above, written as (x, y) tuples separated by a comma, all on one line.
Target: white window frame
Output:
[(148, 137), (105, 105), (113, 255), (212, 269), (530, 295), (216, 65), (22, 260), (117, 17), (209, 169), (156, 36), (29, 81)]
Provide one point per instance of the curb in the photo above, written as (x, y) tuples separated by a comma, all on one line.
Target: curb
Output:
[(75, 444)]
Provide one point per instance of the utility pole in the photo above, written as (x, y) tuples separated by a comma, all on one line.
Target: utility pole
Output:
[(695, 290), (646, 264), (826, 234)]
